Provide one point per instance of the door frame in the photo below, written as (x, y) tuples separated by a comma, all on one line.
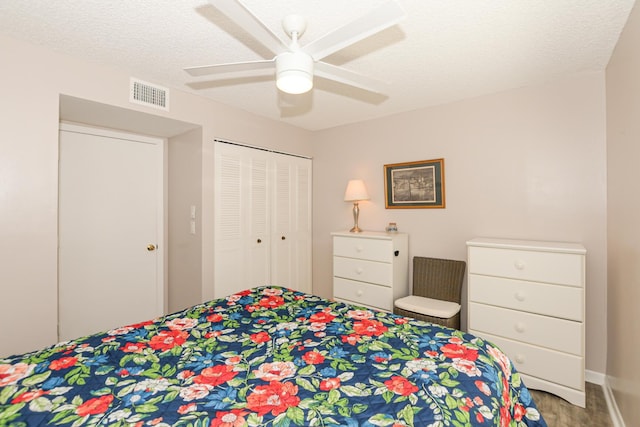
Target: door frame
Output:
[(162, 302)]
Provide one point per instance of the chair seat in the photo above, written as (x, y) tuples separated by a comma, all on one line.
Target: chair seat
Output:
[(428, 306)]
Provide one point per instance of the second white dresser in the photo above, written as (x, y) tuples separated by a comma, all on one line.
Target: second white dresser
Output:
[(370, 268), (527, 297)]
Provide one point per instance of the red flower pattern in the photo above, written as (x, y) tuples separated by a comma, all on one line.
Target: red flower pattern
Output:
[(329, 384), (166, 340), (400, 385), (97, 405), (232, 418), (275, 398), (313, 358), (215, 375), (321, 317), (28, 396), (133, 347), (63, 363), (213, 318), (457, 351), (260, 337), (271, 301), (369, 327)]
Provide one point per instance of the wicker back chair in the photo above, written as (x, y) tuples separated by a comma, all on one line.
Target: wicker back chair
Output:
[(437, 292)]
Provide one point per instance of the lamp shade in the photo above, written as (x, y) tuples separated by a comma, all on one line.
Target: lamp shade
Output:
[(356, 191)]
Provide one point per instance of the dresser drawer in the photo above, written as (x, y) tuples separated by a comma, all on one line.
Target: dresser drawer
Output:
[(380, 273), (550, 365), (549, 267), (363, 248), (558, 334), (363, 293), (565, 302)]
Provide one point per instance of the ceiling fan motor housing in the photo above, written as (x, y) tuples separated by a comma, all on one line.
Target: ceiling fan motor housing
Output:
[(294, 72)]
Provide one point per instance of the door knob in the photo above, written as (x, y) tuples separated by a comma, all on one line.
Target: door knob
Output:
[(151, 247)]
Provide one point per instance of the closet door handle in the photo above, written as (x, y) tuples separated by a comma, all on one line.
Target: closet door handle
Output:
[(283, 238), (259, 240)]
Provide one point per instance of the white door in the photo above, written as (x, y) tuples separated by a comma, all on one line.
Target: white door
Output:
[(282, 246), (258, 218), (291, 225), (242, 234), (110, 262), (301, 228), (262, 219)]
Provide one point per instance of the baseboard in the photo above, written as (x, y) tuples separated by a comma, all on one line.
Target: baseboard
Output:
[(602, 380), (594, 377), (614, 412)]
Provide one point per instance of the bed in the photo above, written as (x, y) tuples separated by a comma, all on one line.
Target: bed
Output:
[(268, 356)]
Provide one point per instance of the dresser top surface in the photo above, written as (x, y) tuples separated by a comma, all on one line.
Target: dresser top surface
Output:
[(536, 245), (368, 234)]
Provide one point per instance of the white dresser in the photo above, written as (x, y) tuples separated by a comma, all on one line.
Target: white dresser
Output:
[(527, 297), (370, 268)]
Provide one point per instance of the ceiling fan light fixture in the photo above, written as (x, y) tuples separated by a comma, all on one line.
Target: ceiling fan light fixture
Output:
[(294, 72)]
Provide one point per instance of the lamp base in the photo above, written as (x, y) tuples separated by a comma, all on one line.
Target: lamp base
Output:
[(356, 212)]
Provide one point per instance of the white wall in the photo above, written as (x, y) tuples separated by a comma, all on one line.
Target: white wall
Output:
[(31, 82), (185, 190), (528, 164), (623, 152)]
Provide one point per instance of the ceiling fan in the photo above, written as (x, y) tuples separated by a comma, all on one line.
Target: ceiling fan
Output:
[(295, 65)]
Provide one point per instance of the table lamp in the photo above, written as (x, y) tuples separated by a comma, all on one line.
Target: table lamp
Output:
[(356, 191)]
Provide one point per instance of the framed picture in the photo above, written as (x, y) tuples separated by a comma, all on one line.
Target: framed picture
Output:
[(414, 184)]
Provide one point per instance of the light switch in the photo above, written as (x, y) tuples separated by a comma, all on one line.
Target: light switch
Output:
[(192, 222)]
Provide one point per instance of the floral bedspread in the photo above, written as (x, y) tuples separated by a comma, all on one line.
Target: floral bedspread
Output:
[(268, 356)]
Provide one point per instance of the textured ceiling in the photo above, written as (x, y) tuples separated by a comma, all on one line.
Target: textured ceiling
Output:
[(444, 50)]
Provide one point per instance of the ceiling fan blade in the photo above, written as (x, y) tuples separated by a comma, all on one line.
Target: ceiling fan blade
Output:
[(238, 13), (233, 67), (339, 74), (373, 22)]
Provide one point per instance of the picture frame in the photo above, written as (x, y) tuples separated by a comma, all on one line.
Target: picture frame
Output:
[(414, 185)]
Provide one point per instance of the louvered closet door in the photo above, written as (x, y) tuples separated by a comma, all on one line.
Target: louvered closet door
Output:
[(301, 233), (241, 219), (283, 242), (258, 219), (263, 220), (291, 241)]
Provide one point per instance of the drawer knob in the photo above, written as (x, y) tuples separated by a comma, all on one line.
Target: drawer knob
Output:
[(520, 296), (359, 293), (520, 358), (359, 270), (520, 327), (519, 265), (359, 248)]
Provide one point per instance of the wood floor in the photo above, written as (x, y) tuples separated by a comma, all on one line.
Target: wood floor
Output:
[(559, 413)]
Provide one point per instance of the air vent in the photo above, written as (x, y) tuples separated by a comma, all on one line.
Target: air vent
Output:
[(148, 94)]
